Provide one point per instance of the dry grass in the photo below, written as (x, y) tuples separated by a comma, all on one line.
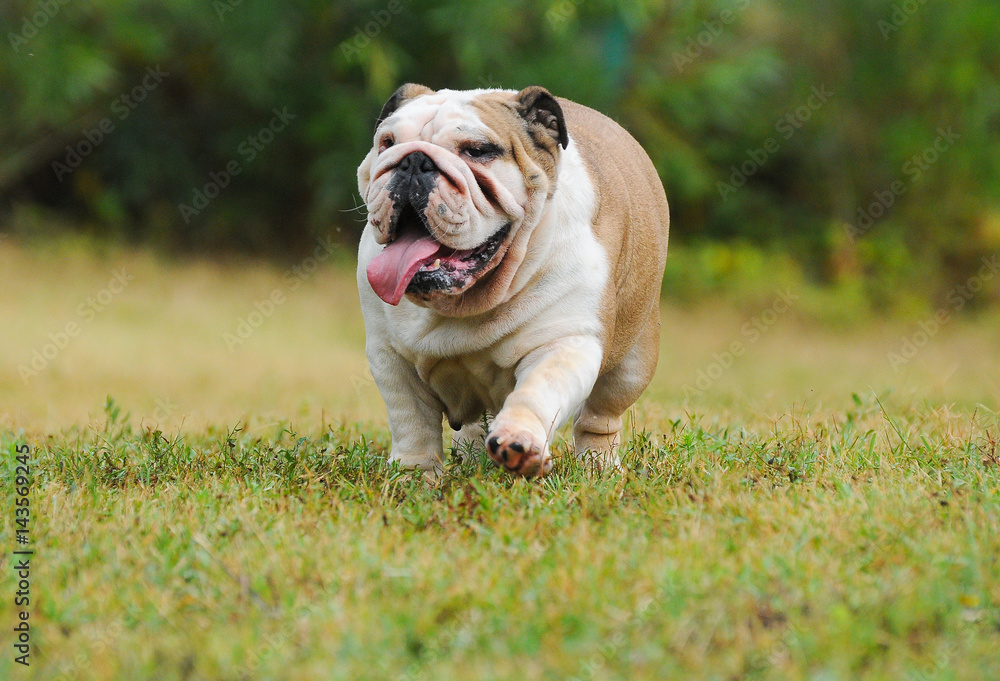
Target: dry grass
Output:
[(161, 343)]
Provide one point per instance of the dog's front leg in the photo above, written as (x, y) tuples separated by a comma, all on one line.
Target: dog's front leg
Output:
[(415, 413), (550, 383)]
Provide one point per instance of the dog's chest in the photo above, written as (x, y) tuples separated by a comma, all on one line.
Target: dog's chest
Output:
[(467, 385)]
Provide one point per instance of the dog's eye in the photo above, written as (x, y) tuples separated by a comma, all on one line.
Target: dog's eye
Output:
[(482, 152), (385, 143)]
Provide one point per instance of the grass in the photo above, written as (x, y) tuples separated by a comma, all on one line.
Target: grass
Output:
[(813, 514)]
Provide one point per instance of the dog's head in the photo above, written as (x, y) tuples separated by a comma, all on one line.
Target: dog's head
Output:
[(454, 184)]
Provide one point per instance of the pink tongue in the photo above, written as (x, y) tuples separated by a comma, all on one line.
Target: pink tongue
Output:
[(390, 272)]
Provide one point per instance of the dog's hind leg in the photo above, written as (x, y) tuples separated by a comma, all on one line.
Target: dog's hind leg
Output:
[(598, 423), (470, 439)]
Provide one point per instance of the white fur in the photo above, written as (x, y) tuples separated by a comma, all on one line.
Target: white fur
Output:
[(532, 360)]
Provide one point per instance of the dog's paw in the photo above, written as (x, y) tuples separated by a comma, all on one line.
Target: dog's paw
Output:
[(519, 452)]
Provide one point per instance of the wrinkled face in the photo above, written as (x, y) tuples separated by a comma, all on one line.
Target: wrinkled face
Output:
[(452, 179)]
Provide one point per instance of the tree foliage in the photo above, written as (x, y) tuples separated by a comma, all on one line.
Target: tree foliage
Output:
[(858, 135)]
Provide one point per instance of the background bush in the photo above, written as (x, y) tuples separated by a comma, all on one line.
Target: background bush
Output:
[(703, 85)]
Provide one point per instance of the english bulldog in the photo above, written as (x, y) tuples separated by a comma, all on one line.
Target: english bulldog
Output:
[(509, 274)]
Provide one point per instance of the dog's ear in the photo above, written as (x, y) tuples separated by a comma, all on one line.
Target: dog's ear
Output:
[(399, 97), (542, 112)]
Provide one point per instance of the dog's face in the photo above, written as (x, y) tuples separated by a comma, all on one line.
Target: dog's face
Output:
[(454, 185)]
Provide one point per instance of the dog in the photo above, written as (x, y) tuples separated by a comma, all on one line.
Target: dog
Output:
[(510, 266)]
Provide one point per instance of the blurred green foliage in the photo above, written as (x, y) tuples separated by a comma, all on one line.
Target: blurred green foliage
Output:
[(793, 127)]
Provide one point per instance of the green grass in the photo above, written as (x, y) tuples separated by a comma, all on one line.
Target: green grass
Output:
[(819, 550), (813, 514)]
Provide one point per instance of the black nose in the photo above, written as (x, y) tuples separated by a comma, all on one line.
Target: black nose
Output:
[(417, 162)]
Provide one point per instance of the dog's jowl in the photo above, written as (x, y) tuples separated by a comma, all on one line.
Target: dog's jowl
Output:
[(510, 266)]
